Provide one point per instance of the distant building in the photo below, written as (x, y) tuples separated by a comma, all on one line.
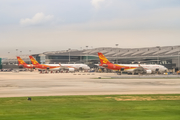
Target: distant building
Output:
[(167, 56)]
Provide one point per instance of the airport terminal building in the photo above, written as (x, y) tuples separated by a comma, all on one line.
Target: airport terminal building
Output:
[(166, 55)]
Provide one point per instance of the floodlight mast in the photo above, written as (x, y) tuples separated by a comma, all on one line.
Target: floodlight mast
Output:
[(16, 55), (178, 60), (69, 55), (87, 55), (20, 52), (116, 54), (80, 54), (29, 54), (8, 57)]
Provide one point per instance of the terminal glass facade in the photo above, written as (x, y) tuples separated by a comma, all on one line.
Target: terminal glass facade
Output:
[(67, 58), (64, 57)]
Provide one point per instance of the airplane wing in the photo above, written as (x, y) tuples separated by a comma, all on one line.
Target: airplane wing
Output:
[(65, 67), (140, 69)]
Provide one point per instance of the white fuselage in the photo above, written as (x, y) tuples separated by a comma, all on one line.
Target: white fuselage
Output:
[(132, 67), (145, 66), (75, 66)]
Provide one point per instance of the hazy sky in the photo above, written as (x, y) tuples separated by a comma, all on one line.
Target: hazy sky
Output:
[(51, 25)]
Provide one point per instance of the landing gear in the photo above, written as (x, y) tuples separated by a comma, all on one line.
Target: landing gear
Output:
[(42, 72), (118, 73)]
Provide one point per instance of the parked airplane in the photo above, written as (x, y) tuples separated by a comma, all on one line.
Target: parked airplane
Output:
[(73, 67), (22, 64), (69, 67), (49, 67), (130, 68)]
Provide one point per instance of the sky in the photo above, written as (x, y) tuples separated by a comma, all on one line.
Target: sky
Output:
[(53, 25)]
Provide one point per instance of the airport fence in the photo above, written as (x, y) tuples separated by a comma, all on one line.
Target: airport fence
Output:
[(9, 67)]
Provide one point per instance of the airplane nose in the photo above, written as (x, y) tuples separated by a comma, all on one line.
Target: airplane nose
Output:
[(165, 69)]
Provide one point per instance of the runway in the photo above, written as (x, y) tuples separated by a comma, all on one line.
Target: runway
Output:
[(35, 84)]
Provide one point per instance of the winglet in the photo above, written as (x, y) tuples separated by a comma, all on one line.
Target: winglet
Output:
[(34, 62), (103, 59)]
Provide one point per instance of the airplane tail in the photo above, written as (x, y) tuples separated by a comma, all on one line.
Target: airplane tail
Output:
[(103, 59), (20, 61), (34, 62)]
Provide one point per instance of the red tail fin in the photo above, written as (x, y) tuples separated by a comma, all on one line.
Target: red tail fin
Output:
[(20, 61), (34, 62), (103, 59)]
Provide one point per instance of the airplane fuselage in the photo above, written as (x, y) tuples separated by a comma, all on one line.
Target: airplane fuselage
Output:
[(58, 66), (28, 66), (132, 67), (51, 67)]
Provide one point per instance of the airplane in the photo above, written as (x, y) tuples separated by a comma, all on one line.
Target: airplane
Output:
[(69, 67), (130, 68), (22, 64), (47, 67), (73, 67)]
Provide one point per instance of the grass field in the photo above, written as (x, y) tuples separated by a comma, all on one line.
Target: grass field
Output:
[(109, 107)]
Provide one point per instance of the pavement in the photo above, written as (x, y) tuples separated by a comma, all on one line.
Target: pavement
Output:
[(57, 84)]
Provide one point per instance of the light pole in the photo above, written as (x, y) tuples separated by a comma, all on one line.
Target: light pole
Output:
[(158, 55), (16, 55), (80, 54), (8, 57), (30, 54), (21, 53), (69, 55), (116, 54), (178, 59), (87, 56), (16, 52)]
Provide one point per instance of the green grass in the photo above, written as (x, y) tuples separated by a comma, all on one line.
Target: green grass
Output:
[(91, 108)]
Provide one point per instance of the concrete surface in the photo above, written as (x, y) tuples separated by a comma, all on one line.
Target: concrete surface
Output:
[(35, 84)]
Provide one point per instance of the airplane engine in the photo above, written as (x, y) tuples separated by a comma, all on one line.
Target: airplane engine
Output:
[(80, 68), (71, 69), (148, 71), (122, 69), (21, 66), (157, 70), (105, 65)]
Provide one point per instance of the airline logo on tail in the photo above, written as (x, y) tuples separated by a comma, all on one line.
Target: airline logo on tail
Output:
[(34, 62), (103, 59), (20, 61)]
